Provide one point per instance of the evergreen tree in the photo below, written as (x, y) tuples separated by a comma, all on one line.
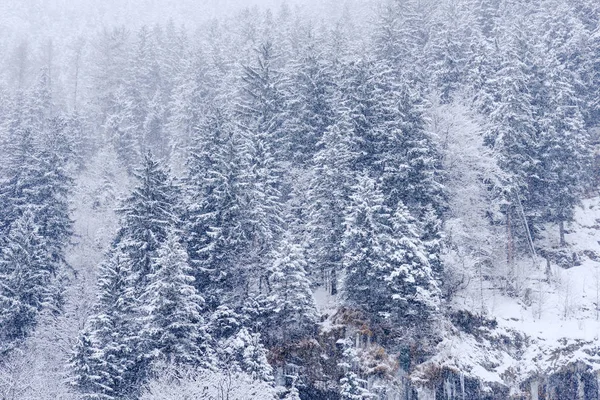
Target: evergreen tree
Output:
[(155, 136), (38, 103), (110, 51), (513, 132), (115, 340), (564, 151), (85, 367), (174, 326), (54, 188), (261, 117), (309, 97), (401, 34), (387, 272), (262, 103), (25, 276), (352, 387), (238, 349), (217, 226), (190, 103), (328, 197), (19, 174), (411, 162), (121, 129), (388, 137), (447, 49), (295, 313), (253, 358), (147, 215)]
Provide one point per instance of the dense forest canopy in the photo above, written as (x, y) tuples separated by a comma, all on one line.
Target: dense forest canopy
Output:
[(294, 199)]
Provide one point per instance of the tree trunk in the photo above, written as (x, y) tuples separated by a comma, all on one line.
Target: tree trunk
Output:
[(333, 282), (509, 243), (561, 229)]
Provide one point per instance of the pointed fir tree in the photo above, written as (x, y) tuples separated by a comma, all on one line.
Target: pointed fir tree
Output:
[(260, 118), (564, 152), (146, 217), (388, 137), (387, 273), (25, 277), (190, 102), (174, 327), (253, 357), (39, 104), (447, 49), (86, 369), (121, 129), (55, 187), (216, 223), (310, 99), (352, 387), (295, 313), (119, 366), (155, 136), (328, 196), (262, 101), (513, 134)]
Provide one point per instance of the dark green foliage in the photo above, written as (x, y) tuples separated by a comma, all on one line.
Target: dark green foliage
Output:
[(146, 217)]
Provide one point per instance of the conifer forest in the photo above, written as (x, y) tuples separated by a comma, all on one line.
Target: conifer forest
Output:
[(299, 199)]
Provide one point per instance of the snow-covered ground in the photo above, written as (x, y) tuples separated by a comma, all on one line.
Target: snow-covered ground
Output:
[(552, 323)]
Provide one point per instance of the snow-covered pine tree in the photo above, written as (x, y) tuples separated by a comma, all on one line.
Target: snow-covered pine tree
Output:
[(110, 364), (411, 163), (37, 185), (143, 78), (155, 136), (351, 388), (190, 102), (261, 117), (36, 178), (38, 103), (564, 151), (401, 34), (86, 375), (216, 222), (447, 49), (82, 143), (327, 199), (262, 103), (109, 52), (174, 328), (513, 134), (388, 275), (388, 137), (294, 314), (121, 129), (18, 173), (309, 96), (253, 356), (55, 185), (237, 348), (146, 216), (25, 276)]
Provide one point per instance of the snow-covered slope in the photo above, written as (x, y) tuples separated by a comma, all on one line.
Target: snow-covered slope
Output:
[(551, 325)]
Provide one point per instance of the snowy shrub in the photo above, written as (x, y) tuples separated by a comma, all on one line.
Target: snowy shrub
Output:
[(174, 384)]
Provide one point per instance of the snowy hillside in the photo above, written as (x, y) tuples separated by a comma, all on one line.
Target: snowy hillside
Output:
[(300, 200), (551, 327)]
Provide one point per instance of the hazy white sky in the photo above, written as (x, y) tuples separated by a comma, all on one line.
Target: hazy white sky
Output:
[(70, 17)]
